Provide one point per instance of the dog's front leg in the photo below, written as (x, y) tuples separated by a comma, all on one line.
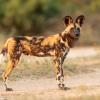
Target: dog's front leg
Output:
[(64, 55), (59, 71)]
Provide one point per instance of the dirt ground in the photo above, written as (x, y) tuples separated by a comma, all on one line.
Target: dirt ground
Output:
[(81, 87)]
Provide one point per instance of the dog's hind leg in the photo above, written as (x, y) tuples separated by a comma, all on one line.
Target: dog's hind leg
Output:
[(11, 64)]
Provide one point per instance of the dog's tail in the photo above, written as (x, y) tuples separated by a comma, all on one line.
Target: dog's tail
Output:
[(4, 51), (2, 55)]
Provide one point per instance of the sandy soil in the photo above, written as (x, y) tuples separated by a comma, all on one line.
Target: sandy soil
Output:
[(46, 89)]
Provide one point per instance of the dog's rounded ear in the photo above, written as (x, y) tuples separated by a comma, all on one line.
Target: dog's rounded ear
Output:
[(80, 20), (68, 20)]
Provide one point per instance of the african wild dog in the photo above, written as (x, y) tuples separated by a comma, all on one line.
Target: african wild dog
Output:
[(57, 46)]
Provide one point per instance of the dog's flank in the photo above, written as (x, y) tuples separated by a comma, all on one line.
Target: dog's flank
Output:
[(56, 46)]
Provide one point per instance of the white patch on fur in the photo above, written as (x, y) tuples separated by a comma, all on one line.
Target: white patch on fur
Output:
[(2, 58)]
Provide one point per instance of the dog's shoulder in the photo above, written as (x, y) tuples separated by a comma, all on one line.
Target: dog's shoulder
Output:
[(51, 40)]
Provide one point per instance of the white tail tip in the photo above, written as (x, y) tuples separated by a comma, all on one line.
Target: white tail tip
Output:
[(2, 58)]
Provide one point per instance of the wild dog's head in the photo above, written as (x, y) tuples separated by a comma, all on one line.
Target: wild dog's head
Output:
[(74, 27)]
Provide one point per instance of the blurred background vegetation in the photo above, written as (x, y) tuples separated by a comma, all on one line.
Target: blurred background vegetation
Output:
[(43, 17)]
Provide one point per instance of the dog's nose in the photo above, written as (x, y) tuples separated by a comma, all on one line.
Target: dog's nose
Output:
[(77, 34)]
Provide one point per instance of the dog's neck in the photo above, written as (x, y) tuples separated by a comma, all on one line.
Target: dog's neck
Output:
[(65, 35)]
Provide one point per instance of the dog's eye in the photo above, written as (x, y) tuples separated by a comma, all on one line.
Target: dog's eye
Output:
[(72, 28)]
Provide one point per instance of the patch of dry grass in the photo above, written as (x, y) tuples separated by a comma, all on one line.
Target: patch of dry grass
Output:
[(35, 67)]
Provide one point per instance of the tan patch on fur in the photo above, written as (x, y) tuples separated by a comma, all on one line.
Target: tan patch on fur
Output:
[(26, 46), (28, 37), (69, 27), (51, 40), (78, 26), (11, 43)]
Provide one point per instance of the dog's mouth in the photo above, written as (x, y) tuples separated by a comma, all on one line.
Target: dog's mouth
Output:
[(77, 35), (74, 35)]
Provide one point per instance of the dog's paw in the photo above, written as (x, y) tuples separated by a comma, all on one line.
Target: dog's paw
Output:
[(63, 87), (9, 89)]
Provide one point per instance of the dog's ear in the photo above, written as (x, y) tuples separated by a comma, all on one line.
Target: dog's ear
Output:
[(68, 20), (80, 20)]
